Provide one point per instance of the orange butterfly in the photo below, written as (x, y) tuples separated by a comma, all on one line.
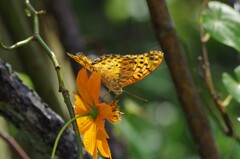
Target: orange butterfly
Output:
[(121, 70)]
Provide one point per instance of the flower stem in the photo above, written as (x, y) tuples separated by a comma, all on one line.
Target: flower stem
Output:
[(62, 130)]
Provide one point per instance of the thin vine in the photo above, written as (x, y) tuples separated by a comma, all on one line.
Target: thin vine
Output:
[(37, 37)]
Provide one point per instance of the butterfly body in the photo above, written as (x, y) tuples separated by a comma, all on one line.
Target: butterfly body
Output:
[(121, 70)]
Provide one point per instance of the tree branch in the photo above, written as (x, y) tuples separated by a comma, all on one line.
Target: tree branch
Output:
[(208, 80), (12, 142), (185, 87), (26, 110), (17, 44)]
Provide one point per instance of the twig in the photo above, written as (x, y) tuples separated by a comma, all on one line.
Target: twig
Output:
[(208, 79), (18, 44), (13, 144)]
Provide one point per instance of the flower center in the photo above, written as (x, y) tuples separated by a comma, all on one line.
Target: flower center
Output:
[(94, 113)]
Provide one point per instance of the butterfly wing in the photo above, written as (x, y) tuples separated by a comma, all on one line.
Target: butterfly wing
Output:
[(121, 70), (144, 65), (82, 60), (115, 70)]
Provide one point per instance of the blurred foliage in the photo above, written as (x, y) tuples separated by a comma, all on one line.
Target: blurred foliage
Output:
[(157, 128), (232, 86), (223, 23), (26, 79)]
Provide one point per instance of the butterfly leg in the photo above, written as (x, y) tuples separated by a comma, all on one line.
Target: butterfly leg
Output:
[(115, 97), (102, 98), (135, 95)]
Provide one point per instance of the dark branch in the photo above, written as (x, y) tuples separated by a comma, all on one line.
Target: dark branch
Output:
[(208, 80), (26, 110), (185, 87), (13, 143)]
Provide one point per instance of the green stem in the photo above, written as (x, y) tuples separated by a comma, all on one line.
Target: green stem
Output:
[(62, 130), (53, 58), (16, 45), (62, 88)]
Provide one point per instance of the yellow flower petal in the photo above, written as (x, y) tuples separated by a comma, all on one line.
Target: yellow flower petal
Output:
[(105, 110), (95, 154), (81, 84), (84, 123), (103, 148), (90, 139), (104, 135), (93, 85), (80, 106), (101, 128), (109, 111)]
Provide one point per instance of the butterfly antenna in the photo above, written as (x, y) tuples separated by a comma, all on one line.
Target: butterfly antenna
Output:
[(135, 95)]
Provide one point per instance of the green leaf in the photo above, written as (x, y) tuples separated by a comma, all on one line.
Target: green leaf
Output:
[(232, 86), (237, 72), (222, 22), (26, 79)]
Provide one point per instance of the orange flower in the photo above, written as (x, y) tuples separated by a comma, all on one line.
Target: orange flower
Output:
[(92, 125)]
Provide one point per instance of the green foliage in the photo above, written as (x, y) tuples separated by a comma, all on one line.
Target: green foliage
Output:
[(153, 130), (26, 79), (222, 22), (120, 11), (116, 10), (232, 86)]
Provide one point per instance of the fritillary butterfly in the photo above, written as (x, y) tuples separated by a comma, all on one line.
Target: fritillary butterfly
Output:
[(121, 70)]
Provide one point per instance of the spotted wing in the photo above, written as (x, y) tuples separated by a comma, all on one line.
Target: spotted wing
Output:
[(83, 60), (115, 69), (120, 70), (144, 65)]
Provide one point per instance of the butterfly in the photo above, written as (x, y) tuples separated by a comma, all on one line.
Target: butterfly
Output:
[(118, 71)]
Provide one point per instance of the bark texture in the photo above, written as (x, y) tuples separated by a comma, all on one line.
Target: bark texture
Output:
[(26, 110)]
